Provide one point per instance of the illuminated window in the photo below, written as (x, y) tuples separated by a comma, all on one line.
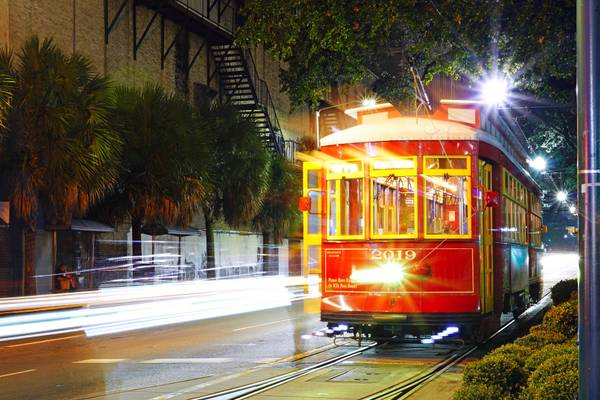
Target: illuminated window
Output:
[(446, 163), (345, 197), (447, 205), (393, 200), (393, 205), (514, 210), (535, 230), (447, 196)]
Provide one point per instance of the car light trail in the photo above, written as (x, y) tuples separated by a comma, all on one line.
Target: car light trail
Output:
[(123, 309)]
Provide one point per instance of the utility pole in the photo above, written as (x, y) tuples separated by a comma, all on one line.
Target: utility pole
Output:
[(588, 165)]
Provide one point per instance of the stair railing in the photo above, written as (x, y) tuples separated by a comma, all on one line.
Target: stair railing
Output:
[(265, 100), (217, 12)]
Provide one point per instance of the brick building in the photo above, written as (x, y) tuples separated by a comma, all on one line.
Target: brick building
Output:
[(183, 45)]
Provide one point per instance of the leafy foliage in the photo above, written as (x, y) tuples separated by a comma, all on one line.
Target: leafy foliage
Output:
[(6, 93), (540, 338), (239, 171), (336, 42), (552, 350), (562, 318), (539, 366), (279, 210), (479, 391), (556, 378), (239, 165), (496, 370), (164, 168), (514, 351), (393, 46), (60, 149), (563, 291)]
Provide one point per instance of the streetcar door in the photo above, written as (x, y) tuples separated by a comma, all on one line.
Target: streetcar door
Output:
[(312, 182), (486, 239)]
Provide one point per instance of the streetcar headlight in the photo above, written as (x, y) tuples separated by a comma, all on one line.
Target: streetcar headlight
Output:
[(387, 273)]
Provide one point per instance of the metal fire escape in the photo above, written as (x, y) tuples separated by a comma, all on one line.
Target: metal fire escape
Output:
[(248, 92), (215, 22)]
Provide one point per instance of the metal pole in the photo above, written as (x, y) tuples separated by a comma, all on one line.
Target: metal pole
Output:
[(588, 143), (317, 114)]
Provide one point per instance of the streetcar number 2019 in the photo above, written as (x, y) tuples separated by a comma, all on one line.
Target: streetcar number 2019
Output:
[(377, 254)]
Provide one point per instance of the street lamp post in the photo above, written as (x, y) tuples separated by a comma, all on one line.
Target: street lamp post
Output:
[(588, 150), (317, 114)]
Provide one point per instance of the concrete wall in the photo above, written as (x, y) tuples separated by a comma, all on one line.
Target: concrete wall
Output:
[(43, 257)]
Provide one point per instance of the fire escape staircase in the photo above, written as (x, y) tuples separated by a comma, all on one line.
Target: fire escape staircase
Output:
[(248, 92)]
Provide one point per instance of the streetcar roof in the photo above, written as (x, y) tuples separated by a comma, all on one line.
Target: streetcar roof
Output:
[(422, 129), (404, 128)]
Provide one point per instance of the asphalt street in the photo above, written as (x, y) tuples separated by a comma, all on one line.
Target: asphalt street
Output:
[(74, 366)]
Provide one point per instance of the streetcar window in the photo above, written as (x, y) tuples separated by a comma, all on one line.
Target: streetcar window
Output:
[(393, 211), (514, 211), (345, 207), (447, 205), (446, 163), (313, 178)]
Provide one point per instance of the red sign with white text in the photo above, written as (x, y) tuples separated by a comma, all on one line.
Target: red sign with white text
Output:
[(447, 270)]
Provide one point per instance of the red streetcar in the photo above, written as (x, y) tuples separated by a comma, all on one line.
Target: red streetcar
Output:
[(422, 224)]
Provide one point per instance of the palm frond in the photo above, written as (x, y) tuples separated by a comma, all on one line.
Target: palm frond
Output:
[(60, 131)]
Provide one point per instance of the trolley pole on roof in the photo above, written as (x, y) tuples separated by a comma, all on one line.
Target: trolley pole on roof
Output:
[(588, 143)]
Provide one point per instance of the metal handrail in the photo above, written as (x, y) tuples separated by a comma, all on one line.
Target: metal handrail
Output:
[(264, 99), (211, 11)]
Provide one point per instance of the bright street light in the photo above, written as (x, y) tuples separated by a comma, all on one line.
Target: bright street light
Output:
[(538, 163), (494, 91), (369, 102), (561, 196), (572, 209)]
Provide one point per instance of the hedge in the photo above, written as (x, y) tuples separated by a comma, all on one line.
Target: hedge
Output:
[(496, 370), (539, 338), (557, 378), (563, 291), (480, 391), (562, 318), (539, 366), (552, 350)]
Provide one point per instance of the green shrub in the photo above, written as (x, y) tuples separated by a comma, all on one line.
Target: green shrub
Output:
[(562, 291), (514, 351), (557, 378), (499, 369), (562, 319), (552, 350), (478, 392), (539, 338)]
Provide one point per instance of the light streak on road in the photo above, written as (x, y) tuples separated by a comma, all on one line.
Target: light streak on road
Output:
[(123, 309)]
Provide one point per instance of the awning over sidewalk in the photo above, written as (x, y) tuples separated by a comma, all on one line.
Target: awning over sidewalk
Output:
[(83, 225), (158, 230)]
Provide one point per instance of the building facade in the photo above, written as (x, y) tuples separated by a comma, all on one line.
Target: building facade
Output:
[(186, 46)]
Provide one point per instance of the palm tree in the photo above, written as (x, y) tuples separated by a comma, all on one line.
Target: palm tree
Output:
[(164, 174), (240, 172), (6, 93), (60, 154), (279, 211)]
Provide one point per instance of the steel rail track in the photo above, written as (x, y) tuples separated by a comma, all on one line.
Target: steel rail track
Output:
[(246, 391), (396, 392)]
